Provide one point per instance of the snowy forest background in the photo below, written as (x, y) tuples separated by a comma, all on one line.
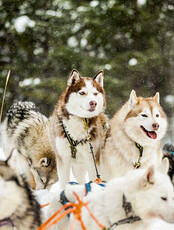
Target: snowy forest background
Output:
[(131, 40)]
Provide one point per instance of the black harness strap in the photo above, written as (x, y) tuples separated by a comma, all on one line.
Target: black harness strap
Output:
[(138, 163), (128, 209), (73, 144), (128, 220)]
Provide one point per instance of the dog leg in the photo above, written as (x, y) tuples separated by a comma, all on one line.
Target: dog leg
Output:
[(63, 168), (79, 172)]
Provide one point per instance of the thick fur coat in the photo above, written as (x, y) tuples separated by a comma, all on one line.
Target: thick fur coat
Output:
[(148, 194), (142, 121), (83, 98), (19, 208), (26, 130)]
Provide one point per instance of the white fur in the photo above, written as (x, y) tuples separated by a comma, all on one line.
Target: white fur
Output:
[(144, 189), (120, 152), (10, 198), (79, 104)]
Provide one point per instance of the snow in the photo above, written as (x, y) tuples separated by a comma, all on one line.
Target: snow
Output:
[(22, 22), (72, 42), (29, 81), (94, 3), (141, 2), (133, 62), (169, 99)]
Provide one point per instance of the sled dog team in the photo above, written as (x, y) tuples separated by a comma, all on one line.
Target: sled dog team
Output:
[(125, 151)]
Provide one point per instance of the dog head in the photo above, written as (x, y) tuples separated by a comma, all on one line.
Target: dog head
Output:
[(145, 121), (154, 195), (43, 168), (85, 97)]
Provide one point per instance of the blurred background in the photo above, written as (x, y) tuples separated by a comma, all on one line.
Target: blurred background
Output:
[(131, 40)]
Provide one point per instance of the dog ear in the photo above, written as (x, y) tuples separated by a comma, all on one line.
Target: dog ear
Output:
[(18, 162), (99, 77), (74, 76), (164, 166), (132, 99), (157, 97), (148, 178), (45, 161)]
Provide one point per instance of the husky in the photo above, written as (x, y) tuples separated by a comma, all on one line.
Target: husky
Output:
[(78, 117), (25, 129), (133, 139), (168, 151), (129, 202), (19, 208)]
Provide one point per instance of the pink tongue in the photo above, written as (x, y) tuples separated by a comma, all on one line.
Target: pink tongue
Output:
[(152, 134)]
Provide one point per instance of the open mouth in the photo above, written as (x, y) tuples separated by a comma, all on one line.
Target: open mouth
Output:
[(150, 134)]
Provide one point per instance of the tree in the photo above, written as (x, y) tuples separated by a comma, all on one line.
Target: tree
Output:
[(130, 40)]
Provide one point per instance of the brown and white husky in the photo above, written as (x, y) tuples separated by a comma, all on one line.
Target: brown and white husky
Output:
[(19, 208), (134, 137), (83, 98), (25, 129)]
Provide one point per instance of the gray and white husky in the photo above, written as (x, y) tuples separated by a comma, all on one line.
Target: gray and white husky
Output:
[(19, 208), (25, 129)]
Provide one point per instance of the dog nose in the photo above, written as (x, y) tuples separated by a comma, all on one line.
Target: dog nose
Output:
[(93, 104), (155, 126)]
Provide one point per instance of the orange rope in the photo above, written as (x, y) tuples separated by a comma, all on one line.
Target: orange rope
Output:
[(74, 208), (44, 205), (44, 225)]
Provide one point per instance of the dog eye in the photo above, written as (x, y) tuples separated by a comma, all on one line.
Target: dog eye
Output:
[(164, 198), (95, 94), (43, 180), (29, 161), (144, 115), (157, 115), (82, 93)]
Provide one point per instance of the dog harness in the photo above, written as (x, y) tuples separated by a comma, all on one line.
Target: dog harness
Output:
[(63, 198), (126, 206), (7, 222), (73, 144), (138, 163), (128, 209)]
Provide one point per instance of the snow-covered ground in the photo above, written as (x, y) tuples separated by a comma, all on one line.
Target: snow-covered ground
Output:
[(45, 196)]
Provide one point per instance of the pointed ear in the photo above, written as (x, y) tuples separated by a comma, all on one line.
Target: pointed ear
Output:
[(74, 76), (44, 161), (18, 162), (99, 77), (164, 166), (148, 178), (157, 97), (132, 99)]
